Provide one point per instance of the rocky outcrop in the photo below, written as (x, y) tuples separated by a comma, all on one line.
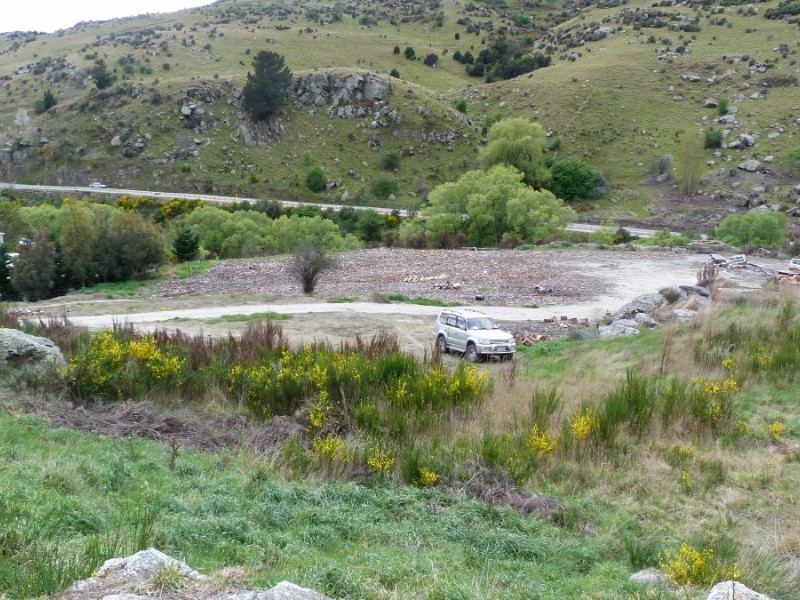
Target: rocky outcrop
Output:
[(345, 96), (18, 347), (131, 578)]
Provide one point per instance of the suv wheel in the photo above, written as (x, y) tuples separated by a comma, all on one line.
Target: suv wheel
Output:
[(441, 343), (472, 354)]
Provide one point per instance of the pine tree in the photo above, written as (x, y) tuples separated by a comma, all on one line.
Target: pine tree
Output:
[(268, 88), (185, 245), (101, 75)]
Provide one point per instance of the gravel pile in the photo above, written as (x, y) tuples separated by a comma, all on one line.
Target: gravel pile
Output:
[(501, 277)]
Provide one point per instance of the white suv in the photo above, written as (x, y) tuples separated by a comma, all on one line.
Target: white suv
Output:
[(472, 333)]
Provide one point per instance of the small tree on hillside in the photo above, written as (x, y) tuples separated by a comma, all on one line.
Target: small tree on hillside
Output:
[(101, 75), (431, 59), (689, 162), (185, 245), (316, 179), (47, 102), (309, 262), (267, 89)]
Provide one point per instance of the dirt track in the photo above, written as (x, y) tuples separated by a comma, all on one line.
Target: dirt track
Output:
[(573, 283)]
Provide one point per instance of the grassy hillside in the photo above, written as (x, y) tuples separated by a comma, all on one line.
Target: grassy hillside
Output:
[(615, 93), (684, 435)]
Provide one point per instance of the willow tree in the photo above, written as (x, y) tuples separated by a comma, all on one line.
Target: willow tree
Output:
[(521, 144)]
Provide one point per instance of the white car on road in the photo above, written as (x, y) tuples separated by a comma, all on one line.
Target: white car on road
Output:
[(474, 334)]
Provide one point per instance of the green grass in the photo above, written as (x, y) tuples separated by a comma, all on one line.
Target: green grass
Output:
[(420, 301), (193, 268), (125, 289), (530, 306), (251, 318), (217, 510), (653, 475), (343, 300)]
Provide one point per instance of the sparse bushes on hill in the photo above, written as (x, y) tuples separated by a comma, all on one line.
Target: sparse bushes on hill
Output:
[(316, 179), (793, 160), (573, 179), (102, 76), (712, 138), (390, 160), (431, 59), (384, 185)]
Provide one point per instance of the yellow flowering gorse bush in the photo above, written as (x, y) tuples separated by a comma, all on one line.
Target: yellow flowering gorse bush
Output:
[(690, 566)]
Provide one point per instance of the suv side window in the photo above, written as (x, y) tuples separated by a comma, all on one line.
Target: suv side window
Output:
[(443, 318), (451, 320), (461, 324)]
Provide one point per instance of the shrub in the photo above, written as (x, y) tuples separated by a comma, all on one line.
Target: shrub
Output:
[(753, 230), (390, 160), (722, 107), (409, 53), (309, 262), (573, 179), (793, 160), (713, 138), (461, 106), (396, 50), (431, 59), (385, 185), (661, 165), (395, 73), (316, 179)]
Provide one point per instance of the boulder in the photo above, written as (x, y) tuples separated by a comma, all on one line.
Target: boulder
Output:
[(750, 165), (643, 304), (19, 347), (616, 329), (141, 565), (282, 591), (682, 315), (733, 590)]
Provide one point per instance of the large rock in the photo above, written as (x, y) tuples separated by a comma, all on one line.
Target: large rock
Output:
[(617, 329), (283, 591), (733, 590), (750, 165), (146, 562), (19, 347), (643, 304)]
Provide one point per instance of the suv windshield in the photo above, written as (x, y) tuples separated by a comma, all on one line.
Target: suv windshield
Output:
[(481, 323)]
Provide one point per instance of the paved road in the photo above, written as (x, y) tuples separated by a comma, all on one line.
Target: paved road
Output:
[(176, 196), (585, 227)]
